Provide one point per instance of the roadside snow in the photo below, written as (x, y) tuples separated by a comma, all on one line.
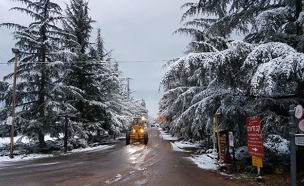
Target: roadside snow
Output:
[(166, 136), (176, 148), (16, 139), (205, 161), (24, 157), (19, 139)]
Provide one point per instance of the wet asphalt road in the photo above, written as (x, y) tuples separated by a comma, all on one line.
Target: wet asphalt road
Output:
[(136, 164)]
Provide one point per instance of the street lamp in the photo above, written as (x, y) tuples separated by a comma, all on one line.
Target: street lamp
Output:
[(16, 52)]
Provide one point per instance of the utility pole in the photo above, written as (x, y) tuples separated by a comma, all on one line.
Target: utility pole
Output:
[(293, 151), (128, 87), (16, 52)]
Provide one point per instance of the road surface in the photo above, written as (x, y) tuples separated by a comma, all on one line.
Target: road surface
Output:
[(153, 165)]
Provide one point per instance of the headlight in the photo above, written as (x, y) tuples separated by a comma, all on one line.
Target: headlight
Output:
[(133, 130), (142, 130), (143, 118)]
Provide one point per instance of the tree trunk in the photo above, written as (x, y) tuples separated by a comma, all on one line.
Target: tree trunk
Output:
[(300, 92), (298, 8), (41, 95), (41, 140)]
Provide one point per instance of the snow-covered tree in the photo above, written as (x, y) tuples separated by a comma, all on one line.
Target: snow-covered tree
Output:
[(102, 106), (100, 46), (240, 79), (39, 93), (241, 87), (61, 73), (278, 21), (207, 35), (82, 69), (259, 20)]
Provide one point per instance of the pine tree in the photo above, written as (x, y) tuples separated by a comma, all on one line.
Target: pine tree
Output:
[(207, 34), (279, 21), (38, 90), (79, 24), (239, 80), (270, 21), (93, 73), (100, 46)]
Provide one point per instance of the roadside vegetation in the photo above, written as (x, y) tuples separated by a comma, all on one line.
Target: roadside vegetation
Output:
[(259, 75), (62, 76)]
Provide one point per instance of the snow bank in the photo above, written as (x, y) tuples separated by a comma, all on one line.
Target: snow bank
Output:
[(166, 136), (206, 161), (22, 139)]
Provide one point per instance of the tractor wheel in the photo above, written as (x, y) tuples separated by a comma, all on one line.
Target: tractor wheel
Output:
[(127, 138), (146, 138)]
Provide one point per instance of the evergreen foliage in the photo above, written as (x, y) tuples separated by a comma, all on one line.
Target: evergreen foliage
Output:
[(235, 78), (39, 45), (60, 73), (259, 21)]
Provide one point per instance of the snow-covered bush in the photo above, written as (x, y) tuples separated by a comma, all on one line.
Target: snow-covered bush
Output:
[(77, 143), (276, 150), (241, 153)]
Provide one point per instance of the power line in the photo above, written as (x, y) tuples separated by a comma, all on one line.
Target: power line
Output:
[(143, 61), (129, 61)]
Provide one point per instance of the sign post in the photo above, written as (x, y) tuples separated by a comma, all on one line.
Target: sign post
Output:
[(255, 141), (218, 136), (293, 113)]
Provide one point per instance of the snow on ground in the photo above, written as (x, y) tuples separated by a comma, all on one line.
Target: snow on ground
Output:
[(205, 161), (23, 157), (165, 135), (175, 147), (6, 140), (16, 139), (22, 139)]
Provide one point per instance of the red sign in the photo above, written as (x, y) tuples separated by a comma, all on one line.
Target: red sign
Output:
[(254, 138), (301, 125)]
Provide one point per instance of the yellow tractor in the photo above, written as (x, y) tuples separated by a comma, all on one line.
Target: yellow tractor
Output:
[(136, 132)]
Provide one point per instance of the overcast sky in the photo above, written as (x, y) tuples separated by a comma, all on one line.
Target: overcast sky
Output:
[(136, 31)]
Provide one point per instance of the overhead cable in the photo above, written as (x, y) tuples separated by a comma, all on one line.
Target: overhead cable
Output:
[(129, 61)]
